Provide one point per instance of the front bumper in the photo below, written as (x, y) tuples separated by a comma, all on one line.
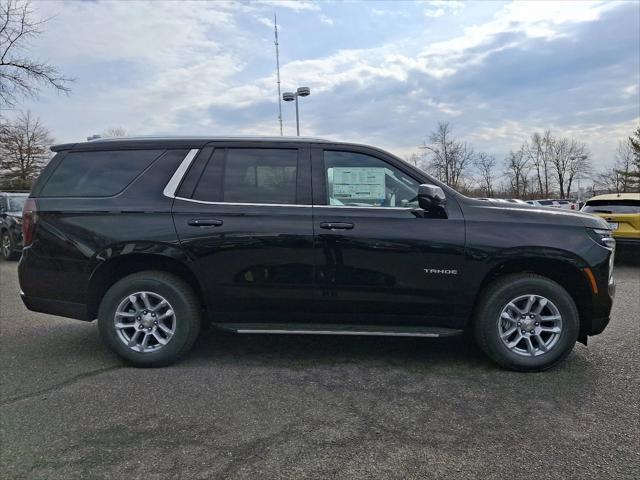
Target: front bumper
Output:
[(627, 243)]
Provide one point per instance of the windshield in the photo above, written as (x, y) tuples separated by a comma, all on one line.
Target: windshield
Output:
[(15, 202), (612, 206)]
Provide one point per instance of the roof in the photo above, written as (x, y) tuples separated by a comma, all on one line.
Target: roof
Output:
[(617, 196), (177, 140)]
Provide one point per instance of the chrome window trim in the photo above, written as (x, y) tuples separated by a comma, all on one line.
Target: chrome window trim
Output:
[(173, 184), (176, 178), (241, 204)]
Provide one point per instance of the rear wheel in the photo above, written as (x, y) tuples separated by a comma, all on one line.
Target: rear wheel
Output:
[(526, 322), (7, 246), (149, 318)]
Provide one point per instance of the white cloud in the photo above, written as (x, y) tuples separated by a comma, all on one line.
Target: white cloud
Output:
[(325, 19), (296, 5), (437, 8)]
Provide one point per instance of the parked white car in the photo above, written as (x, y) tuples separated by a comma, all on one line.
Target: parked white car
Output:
[(561, 203)]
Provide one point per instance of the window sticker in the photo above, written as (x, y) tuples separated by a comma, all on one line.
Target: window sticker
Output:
[(359, 183)]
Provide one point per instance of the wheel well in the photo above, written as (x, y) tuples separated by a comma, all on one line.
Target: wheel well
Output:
[(567, 275), (113, 270)]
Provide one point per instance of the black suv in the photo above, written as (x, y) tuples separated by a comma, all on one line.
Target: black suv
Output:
[(11, 205), (302, 236)]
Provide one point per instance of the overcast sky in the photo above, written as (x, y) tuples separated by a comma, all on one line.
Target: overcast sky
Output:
[(380, 72)]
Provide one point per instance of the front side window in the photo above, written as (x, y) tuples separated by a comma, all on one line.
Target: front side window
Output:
[(359, 180), (250, 175)]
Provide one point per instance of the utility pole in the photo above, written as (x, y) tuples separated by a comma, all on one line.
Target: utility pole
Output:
[(275, 25)]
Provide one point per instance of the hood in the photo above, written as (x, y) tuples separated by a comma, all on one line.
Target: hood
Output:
[(535, 214)]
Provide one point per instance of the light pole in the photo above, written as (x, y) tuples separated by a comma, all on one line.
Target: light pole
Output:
[(291, 96)]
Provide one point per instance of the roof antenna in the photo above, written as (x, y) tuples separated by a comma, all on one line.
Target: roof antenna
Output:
[(275, 25)]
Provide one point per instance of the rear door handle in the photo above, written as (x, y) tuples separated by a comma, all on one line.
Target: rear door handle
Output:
[(336, 225), (204, 223)]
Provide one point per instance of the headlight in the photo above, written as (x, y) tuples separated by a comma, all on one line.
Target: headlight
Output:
[(604, 238)]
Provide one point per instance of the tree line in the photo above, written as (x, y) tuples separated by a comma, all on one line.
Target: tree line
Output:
[(544, 166)]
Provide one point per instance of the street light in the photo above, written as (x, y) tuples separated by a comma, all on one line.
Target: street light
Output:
[(291, 96)]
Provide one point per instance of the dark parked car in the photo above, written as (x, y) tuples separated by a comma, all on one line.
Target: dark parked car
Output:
[(11, 204), (302, 236)]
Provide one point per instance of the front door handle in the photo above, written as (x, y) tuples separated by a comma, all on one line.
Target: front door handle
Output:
[(204, 223), (336, 225)]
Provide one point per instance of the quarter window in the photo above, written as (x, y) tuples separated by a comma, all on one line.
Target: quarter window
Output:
[(97, 174), (359, 180)]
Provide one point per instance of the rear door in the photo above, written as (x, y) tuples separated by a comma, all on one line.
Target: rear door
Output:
[(379, 258), (243, 214)]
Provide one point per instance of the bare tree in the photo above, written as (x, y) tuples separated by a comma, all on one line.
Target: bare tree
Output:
[(19, 75), (539, 152), (24, 150), (517, 169), (485, 164), (113, 132), (570, 159), (449, 158)]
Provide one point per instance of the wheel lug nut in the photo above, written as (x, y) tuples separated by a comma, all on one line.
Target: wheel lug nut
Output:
[(141, 327), (537, 324), (145, 312), (531, 316), (519, 324), (155, 323), (523, 316), (153, 314), (149, 329), (138, 318), (524, 331)]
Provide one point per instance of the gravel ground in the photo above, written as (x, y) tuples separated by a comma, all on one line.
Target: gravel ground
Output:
[(313, 407)]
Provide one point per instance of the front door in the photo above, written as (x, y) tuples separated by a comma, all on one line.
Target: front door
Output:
[(243, 214), (378, 256)]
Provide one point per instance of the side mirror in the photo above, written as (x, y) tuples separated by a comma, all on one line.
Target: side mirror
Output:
[(431, 197)]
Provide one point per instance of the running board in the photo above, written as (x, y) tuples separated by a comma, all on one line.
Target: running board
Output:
[(334, 329)]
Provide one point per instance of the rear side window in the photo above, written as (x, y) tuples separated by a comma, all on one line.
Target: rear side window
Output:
[(612, 206), (250, 175), (546, 202), (97, 174)]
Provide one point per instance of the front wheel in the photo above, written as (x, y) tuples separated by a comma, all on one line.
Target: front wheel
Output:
[(526, 322), (149, 318)]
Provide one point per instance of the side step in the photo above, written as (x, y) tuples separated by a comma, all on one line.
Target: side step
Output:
[(337, 329)]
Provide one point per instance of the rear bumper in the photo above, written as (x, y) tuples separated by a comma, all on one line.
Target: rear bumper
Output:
[(56, 307)]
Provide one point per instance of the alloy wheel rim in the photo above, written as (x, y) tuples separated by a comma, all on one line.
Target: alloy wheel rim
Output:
[(530, 325), (6, 245), (145, 322)]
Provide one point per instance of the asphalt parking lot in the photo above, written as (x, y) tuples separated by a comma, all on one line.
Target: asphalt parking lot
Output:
[(313, 407)]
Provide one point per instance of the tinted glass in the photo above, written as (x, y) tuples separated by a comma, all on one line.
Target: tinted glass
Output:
[(546, 202), (97, 174), (612, 206), (209, 181), (260, 176), (16, 202), (355, 179)]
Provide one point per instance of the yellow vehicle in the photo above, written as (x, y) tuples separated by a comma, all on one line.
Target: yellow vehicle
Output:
[(622, 212)]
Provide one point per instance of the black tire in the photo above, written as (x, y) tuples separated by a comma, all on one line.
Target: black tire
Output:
[(496, 297), (185, 305), (11, 254)]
